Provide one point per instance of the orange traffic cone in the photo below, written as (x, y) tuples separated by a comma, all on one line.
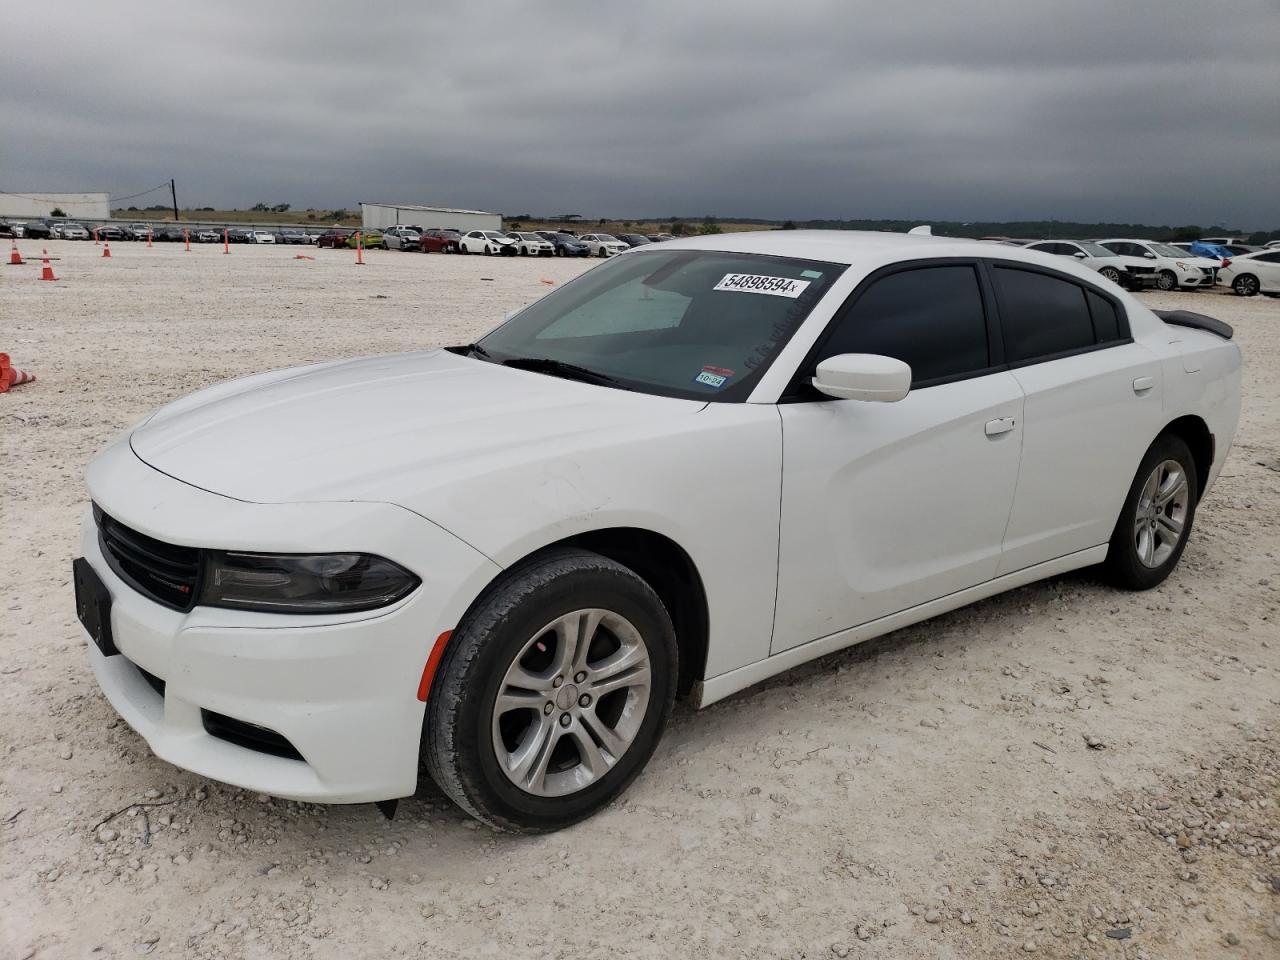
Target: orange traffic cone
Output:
[(46, 271), (15, 258), (9, 377), (106, 248)]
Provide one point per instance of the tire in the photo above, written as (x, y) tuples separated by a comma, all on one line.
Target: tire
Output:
[(1246, 285), (559, 251), (509, 630), (1112, 274), (1167, 280), (1135, 562)]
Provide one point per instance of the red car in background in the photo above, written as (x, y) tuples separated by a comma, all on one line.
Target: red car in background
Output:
[(335, 238), (438, 240)]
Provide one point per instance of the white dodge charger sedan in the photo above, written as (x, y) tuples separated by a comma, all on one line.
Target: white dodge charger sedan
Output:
[(694, 466)]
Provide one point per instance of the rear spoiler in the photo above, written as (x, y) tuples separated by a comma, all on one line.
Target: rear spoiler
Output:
[(1185, 318)]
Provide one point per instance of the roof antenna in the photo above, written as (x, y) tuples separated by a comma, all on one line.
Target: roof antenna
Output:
[(924, 230)]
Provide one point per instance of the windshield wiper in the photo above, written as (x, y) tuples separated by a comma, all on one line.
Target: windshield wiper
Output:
[(558, 368), (472, 350)]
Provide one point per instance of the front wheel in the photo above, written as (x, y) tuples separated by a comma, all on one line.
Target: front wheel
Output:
[(1156, 518), (1167, 280), (552, 694), (1112, 274), (1246, 285)]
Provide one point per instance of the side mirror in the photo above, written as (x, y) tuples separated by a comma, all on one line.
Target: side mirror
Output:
[(863, 376), (1079, 254), (1149, 255)]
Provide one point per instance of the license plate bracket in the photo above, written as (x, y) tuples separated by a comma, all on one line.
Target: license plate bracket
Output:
[(93, 605)]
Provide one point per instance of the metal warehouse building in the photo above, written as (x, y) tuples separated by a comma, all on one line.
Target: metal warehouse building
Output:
[(36, 206), (379, 216)]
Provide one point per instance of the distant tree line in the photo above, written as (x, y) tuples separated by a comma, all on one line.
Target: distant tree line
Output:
[(1037, 229), (1042, 229)]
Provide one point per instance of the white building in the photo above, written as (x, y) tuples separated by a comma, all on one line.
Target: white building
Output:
[(37, 206), (379, 216)]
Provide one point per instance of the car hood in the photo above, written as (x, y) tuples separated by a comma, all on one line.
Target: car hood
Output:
[(369, 429)]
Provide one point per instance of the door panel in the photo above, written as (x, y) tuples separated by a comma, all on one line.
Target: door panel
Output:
[(1086, 426), (888, 505)]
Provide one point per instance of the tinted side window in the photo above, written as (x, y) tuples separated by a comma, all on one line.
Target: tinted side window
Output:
[(1106, 322), (1269, 258), (931, 319), (1041, 315)]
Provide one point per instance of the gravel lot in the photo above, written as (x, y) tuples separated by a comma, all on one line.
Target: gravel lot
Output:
[(1065, 770)]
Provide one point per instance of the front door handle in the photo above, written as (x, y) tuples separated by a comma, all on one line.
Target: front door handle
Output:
[(997, 427), (1142, 384)]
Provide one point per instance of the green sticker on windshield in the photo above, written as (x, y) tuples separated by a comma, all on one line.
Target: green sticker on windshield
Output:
[(812, 274)]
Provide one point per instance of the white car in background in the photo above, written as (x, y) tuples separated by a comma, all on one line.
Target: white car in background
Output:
[(532, 244), (1132, 273), (1175, 269), (402, 238), (603, 244), (260, 236), (685, 471), (488, 242), (1252, 273)]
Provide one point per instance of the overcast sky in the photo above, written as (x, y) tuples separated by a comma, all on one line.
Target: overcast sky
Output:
[(1160, 112)]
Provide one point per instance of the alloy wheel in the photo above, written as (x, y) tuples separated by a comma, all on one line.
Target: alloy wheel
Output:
[(1246, 286), (1161, 513), (571, 703)]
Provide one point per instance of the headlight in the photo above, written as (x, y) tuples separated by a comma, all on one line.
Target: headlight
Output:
[(1179, 264), (298, 583)]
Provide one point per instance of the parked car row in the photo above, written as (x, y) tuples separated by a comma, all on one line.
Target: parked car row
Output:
[(524, 243), (1137, 264)]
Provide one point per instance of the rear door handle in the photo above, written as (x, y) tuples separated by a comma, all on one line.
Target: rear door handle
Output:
[(1143, 384), (997, 427)]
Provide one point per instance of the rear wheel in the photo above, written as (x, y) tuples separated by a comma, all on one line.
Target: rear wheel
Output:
[(552, 694), (1156, 519), (1167, 280), (1246, 285)]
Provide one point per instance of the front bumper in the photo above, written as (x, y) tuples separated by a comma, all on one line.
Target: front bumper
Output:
[(1196, 278), (342, 690)]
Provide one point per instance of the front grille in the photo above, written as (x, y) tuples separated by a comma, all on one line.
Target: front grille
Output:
[(248, 735), (166, 573)]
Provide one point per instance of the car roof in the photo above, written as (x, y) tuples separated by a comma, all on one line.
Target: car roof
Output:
[(853, 247)]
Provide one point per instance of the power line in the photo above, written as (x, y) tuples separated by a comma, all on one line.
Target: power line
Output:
[(142, 194), (45, 197)]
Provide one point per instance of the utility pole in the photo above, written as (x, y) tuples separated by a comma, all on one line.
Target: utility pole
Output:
[(173, 190)]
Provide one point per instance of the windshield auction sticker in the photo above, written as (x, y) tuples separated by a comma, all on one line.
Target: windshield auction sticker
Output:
[(755, 283)]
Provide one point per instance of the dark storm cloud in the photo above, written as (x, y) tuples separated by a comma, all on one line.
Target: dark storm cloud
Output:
[(1158, 112)]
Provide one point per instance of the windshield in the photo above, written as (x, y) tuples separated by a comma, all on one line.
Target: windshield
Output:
[(1094, 249), (605, 238), (1167, 251), (697, 324)]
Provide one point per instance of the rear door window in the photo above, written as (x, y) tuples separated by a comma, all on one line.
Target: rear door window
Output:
[(1042, 316)]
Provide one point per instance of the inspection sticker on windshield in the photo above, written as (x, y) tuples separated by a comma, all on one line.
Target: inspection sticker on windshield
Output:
[(713, 376), (755, 283)]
